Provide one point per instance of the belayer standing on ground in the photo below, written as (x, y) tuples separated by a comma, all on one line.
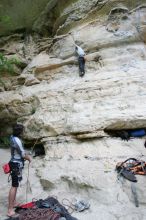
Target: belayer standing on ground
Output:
[(16, 164), (81, 60)]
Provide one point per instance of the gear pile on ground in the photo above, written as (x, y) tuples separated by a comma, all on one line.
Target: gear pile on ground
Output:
[(48, 209), (130, 167)]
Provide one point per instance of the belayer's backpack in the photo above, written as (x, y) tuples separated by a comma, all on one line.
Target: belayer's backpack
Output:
[(137, 133)]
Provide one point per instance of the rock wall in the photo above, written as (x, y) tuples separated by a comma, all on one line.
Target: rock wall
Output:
[(19, 15), (104, 98), (69, 114)]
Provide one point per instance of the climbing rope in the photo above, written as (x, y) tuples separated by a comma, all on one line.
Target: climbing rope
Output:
[(28, 187), (138, 22), (138, 19), (34, 145), (68, 205), (27, 183)]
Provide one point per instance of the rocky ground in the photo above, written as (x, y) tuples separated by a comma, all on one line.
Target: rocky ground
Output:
[(84, 171)]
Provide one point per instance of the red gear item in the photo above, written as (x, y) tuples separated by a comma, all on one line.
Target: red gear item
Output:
[(27, 205), (6, 168)]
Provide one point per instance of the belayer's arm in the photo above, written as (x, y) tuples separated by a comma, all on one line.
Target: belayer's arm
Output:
[(22, 151)]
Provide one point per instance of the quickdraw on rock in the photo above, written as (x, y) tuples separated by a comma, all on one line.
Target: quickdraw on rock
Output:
[(130, 167)]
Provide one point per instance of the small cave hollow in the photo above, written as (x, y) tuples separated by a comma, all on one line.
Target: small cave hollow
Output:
[(36, 149), (126, 134)]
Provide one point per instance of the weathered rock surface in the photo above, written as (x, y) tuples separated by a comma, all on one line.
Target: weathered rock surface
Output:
[(88, 168), (105, 97), (68, 113), (16, 15)]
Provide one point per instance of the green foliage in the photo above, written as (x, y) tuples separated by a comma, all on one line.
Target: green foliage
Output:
[(4, 142), (2, 83), (7, 65), (5, 19)]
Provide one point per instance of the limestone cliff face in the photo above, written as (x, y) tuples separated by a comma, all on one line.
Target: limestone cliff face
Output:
[(113, 40), (63, 110)]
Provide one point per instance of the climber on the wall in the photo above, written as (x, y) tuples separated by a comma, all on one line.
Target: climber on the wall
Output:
[(81, 60)]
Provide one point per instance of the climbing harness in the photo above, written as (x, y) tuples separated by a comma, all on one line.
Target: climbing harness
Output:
[(128, 169), (133, 166)]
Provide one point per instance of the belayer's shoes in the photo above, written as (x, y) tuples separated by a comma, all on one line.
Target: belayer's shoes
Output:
[(81, 205)]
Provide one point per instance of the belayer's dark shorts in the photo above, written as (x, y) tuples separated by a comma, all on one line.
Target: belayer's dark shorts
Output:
[(16, 173)]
